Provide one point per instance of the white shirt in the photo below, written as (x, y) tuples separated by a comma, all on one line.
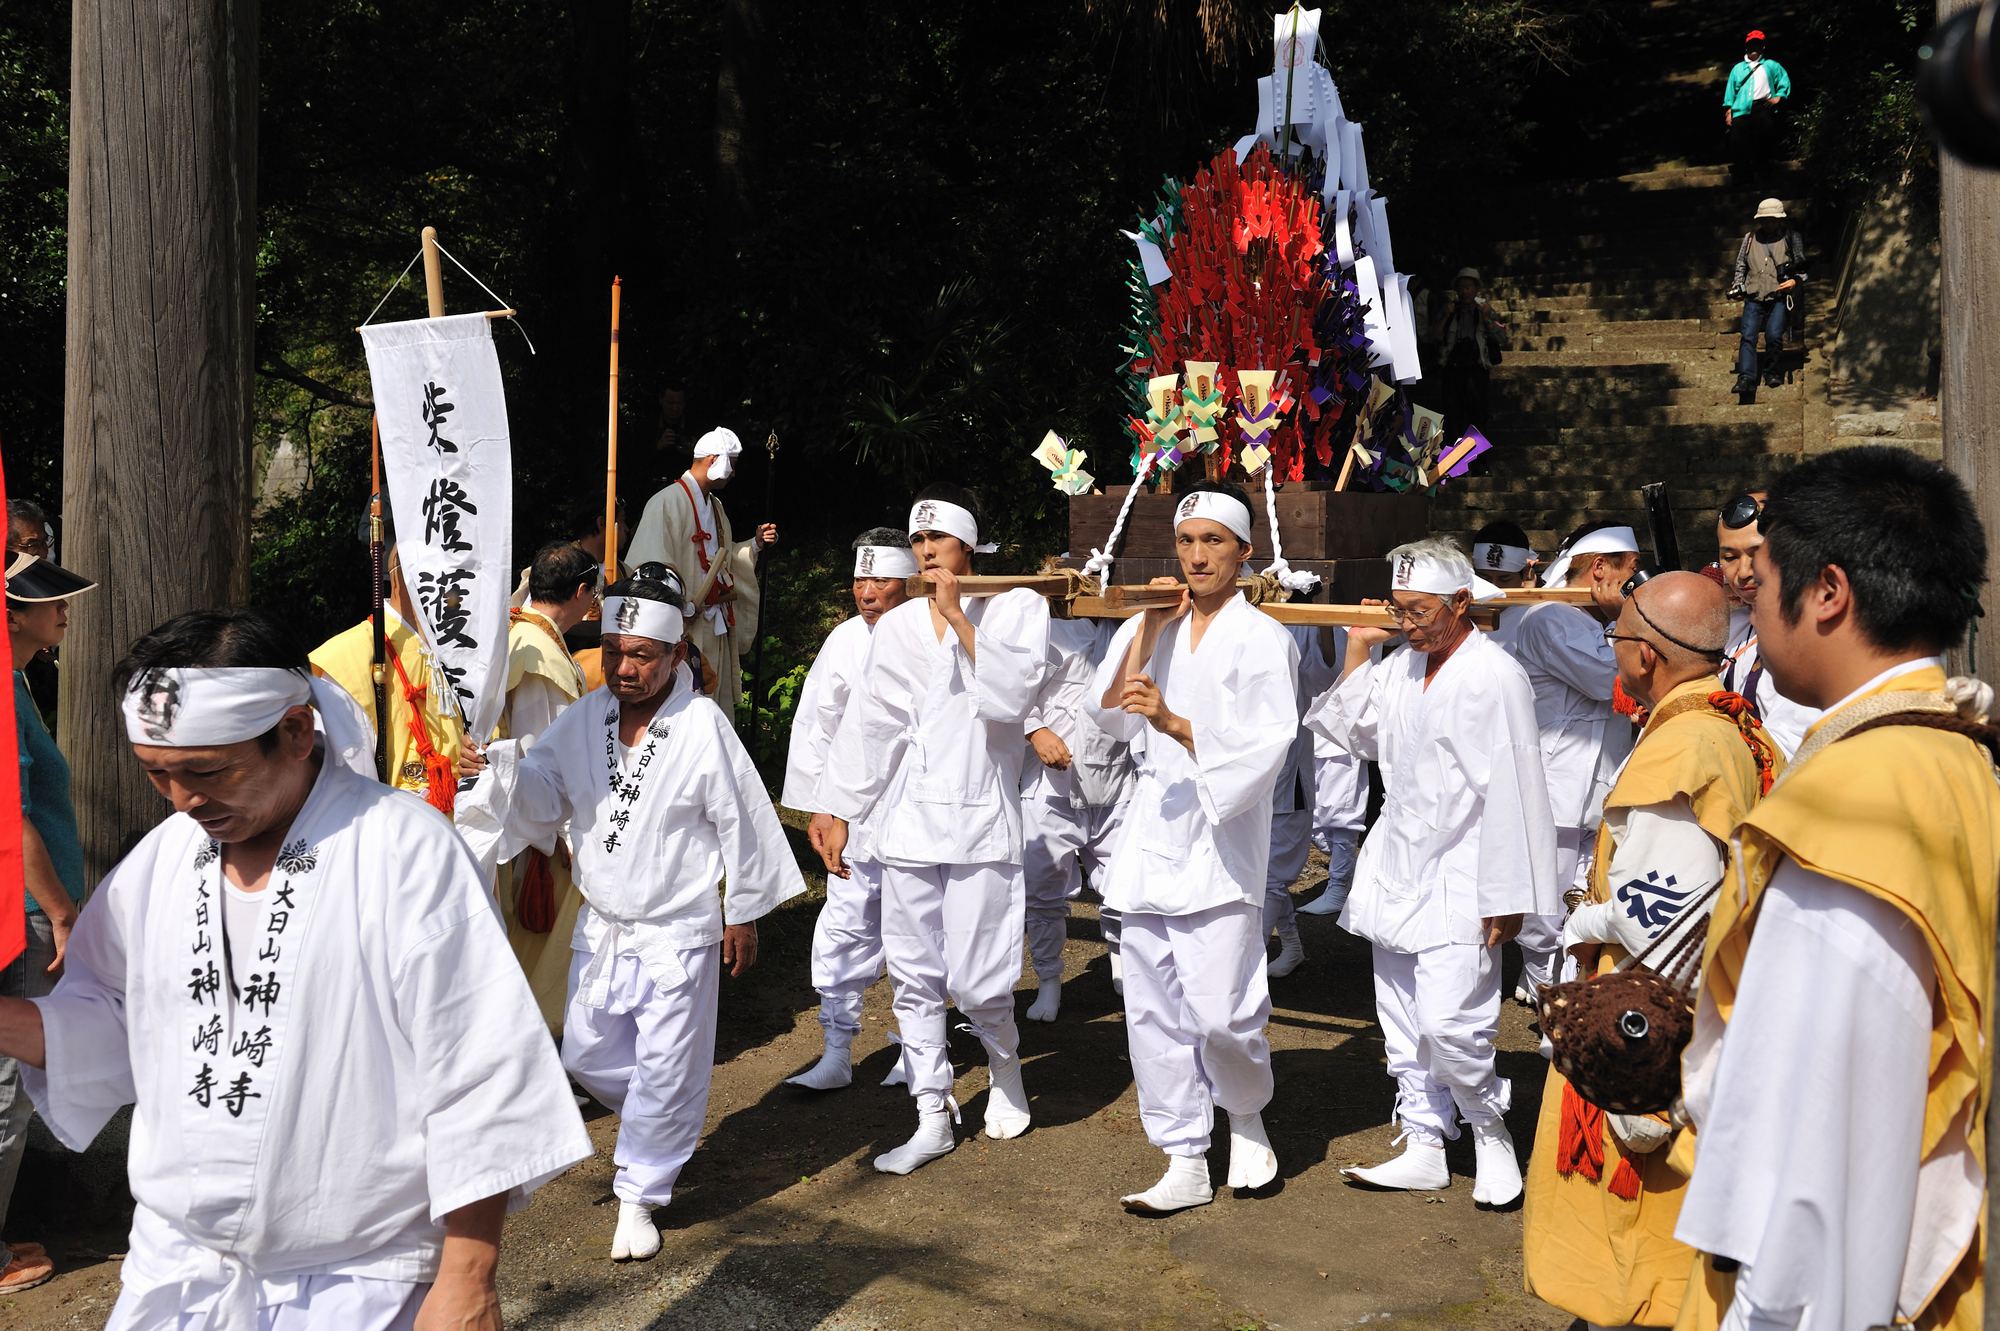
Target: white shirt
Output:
[(930, 749), (647, 866), (822, 702), (1784, 720), (1760, 81), (1573, 673), (1101, 773), (1465, 831), (1662, 861), (1296, 791), (1198, 831), (383, 1066)]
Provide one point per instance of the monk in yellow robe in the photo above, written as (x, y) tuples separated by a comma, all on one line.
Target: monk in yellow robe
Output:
[(1604, 1190), (1840, 1066), (538, 898), (423, 738), (685, 528)]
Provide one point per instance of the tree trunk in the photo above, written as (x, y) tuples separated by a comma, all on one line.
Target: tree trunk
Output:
[(157, 405), (739, 124)]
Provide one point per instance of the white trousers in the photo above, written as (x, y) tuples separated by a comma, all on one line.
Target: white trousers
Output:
[(1291, 842), (1440, 1011), (1061, 843), (951, 934), (647, 1055), (322, 1303), (1540, 938), (1196, 1005), (847, 949)]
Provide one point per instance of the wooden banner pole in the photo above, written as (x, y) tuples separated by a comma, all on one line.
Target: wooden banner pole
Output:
[(611, 450), (433, 273)]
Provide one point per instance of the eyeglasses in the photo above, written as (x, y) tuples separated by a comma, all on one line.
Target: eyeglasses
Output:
[(1741, 511), (1422, 619), (1611, 633)]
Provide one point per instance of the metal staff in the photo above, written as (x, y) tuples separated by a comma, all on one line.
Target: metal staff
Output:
[(379, 662), (763, 588)]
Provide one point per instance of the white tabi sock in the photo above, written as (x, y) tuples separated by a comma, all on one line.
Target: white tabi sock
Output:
[(1048, 1001), (834, 1070), (1498, 1182), (898, 1074), (1290, 953), (636, 1238), (1420, 1168), (1184, 1184), (932, 1139), (1007, 1098), (1252, 1162)]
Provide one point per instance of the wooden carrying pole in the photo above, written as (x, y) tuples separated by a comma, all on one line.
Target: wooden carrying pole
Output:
[(611, 451)]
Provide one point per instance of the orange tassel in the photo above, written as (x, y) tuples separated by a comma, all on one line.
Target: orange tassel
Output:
[(1580, 1144), (1625, 1180)]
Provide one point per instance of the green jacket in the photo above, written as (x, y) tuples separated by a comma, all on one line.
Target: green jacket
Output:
[(1736, 94)]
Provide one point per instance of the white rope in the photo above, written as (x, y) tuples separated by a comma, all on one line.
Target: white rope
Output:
[(392, 288), (502, 301), (1302, 583), (1099, 563)]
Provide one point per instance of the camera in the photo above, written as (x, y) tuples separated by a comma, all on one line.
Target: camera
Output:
[(1958, 84)]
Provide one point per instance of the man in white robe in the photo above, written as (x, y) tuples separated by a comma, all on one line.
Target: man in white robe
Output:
[(1737, 537), (685, 528), (1575, 675), (929, 755), (662, 803), (1204, 693), (298, 979), (1074, 788), (847, 936), (1463, 849)]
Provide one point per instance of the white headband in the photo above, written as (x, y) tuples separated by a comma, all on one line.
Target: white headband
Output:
[(1498, 558), (188, 707), (1603, 541), (644, 618), (938, 515), (1425, 573), (1215, 506), (884, 561)]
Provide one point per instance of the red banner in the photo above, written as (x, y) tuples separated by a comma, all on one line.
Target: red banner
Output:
[(13, 880)]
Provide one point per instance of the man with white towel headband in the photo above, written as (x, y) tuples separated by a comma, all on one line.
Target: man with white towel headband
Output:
[(1204, 690), (1464, 848), (929, 756), (684, 527), (847, 936), (661, 803), (299, 980)]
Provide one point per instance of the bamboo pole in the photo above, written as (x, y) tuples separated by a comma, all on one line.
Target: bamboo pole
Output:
[(433, 273), (611, 450)]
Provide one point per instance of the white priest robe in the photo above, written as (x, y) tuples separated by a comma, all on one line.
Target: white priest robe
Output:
[(1465, 834), (688, 810), (1070, 818), (1188, 873), (930, 754), (686, 528), (382, 1065), (847, 936)]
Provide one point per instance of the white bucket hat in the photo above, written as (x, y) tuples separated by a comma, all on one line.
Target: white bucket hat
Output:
[(1771, 208)]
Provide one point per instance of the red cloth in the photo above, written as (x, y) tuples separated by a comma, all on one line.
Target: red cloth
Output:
[(13, 874)]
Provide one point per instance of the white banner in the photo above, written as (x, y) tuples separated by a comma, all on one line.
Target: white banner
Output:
[(445, 452)]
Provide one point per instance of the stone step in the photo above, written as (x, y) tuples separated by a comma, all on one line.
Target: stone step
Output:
[(1690, 246), (1657, 287), (1635, 410), (1675, 356), (1607, 338), (1558, 310)]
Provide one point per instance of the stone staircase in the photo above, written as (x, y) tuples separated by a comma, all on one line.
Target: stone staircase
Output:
[(1622, 352)]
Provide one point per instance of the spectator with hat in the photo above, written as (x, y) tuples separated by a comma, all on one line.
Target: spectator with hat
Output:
[(1468, 335), (38, 595), (1770, 268), (1752, 101)]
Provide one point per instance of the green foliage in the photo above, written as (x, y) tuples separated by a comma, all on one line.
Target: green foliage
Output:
[(34, 165), (1854, 78)]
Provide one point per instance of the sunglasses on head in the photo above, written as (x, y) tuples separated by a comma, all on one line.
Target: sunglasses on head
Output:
[(1638, 580), (1741, 511)]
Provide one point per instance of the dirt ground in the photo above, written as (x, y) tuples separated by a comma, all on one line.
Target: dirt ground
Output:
[(780, 1224)]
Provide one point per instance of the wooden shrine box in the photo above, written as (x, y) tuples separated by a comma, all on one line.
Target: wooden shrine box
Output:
[(1340, 536)]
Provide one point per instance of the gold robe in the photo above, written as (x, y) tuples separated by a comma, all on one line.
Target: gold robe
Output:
[(346, 659), (1604, 1248)]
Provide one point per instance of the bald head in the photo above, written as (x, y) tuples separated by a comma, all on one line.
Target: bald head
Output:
[(1671, 630)]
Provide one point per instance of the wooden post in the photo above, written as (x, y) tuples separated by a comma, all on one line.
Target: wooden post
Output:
[(158, 371), (1969, 400), (433, 273), (611, 451)]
